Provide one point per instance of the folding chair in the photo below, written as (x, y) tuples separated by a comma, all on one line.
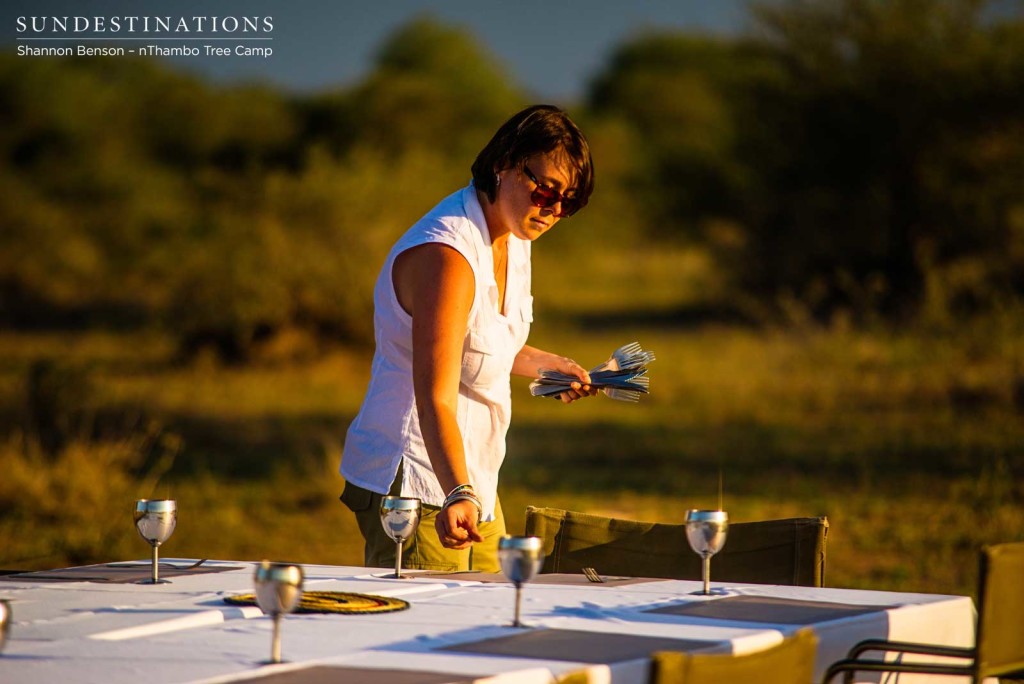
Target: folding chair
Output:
[(789, 551), (790, 662), (999, 647)]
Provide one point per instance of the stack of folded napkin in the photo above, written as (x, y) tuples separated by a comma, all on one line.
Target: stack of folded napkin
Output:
[(623, 376)]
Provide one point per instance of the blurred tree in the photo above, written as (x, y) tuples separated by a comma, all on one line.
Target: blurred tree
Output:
[(68, 143), (299, 261), (889, 155), (853, 153), (113, 162), (678, 92), (433, 88)]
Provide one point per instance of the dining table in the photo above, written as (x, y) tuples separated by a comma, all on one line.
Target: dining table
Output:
[(97, 623)]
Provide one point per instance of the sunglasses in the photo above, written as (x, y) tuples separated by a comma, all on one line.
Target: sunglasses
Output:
[(545, 196)]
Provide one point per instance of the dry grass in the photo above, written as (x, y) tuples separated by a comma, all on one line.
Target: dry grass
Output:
[(912, 444)]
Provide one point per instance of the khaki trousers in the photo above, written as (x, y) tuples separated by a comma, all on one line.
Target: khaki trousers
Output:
[(423, 551)]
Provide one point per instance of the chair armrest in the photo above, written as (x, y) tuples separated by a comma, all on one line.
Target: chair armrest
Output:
[(850, 666), (906, 647)]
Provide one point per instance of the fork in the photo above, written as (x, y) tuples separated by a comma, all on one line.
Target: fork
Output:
[(620, 394), (624, 357), (619, 358), (592, 575), (626, 366), (166, 564), (186, 567)]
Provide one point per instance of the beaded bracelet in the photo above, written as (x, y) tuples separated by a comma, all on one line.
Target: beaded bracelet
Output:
[(462, 496), (465, 496), (460, 488)]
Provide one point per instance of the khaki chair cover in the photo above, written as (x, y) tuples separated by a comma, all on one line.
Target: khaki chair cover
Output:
[(791, 662), (1001, 611), (790, 551)]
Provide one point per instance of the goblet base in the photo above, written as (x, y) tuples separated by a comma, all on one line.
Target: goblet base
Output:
[(391, 575), (718, 591), (150, 580)]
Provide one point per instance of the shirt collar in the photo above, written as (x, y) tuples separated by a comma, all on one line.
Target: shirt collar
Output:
[(475, 213)]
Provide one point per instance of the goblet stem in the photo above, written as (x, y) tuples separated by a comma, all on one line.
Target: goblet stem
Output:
[(707, 575), (5, 622), (519, 595), (398, 560), (156, 563), (275, 645)]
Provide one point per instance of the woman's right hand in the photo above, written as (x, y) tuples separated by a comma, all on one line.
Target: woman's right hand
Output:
[(456, 525)]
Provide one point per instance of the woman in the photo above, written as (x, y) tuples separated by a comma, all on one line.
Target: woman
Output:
[(452, 314)]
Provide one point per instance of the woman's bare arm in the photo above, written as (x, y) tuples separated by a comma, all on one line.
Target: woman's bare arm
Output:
[(435, 285)]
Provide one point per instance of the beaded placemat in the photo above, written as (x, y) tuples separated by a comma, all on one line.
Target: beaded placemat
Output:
[(333, 602)]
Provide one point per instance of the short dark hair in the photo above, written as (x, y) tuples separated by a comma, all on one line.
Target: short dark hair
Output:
[(539, 129)]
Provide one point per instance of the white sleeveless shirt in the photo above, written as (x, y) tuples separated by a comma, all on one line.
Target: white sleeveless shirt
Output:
[(386, 430)]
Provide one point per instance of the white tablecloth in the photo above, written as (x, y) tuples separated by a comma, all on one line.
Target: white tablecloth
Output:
[(183, 632)]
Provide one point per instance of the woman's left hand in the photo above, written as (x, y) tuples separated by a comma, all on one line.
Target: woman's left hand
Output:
[(579, 389), (530, 362)]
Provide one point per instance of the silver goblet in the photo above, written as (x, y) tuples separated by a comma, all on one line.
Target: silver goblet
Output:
[(400, 517), (5, 622), (155, 520), (278, 592), (706, 531), (521, 559)]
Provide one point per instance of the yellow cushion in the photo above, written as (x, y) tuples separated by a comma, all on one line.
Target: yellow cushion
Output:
[(791, 662)]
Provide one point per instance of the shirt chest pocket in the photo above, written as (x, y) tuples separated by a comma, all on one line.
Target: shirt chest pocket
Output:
[(485, 358), (526, 309)]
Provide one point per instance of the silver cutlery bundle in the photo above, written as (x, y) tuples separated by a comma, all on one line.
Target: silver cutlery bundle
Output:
[(623, 376)]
